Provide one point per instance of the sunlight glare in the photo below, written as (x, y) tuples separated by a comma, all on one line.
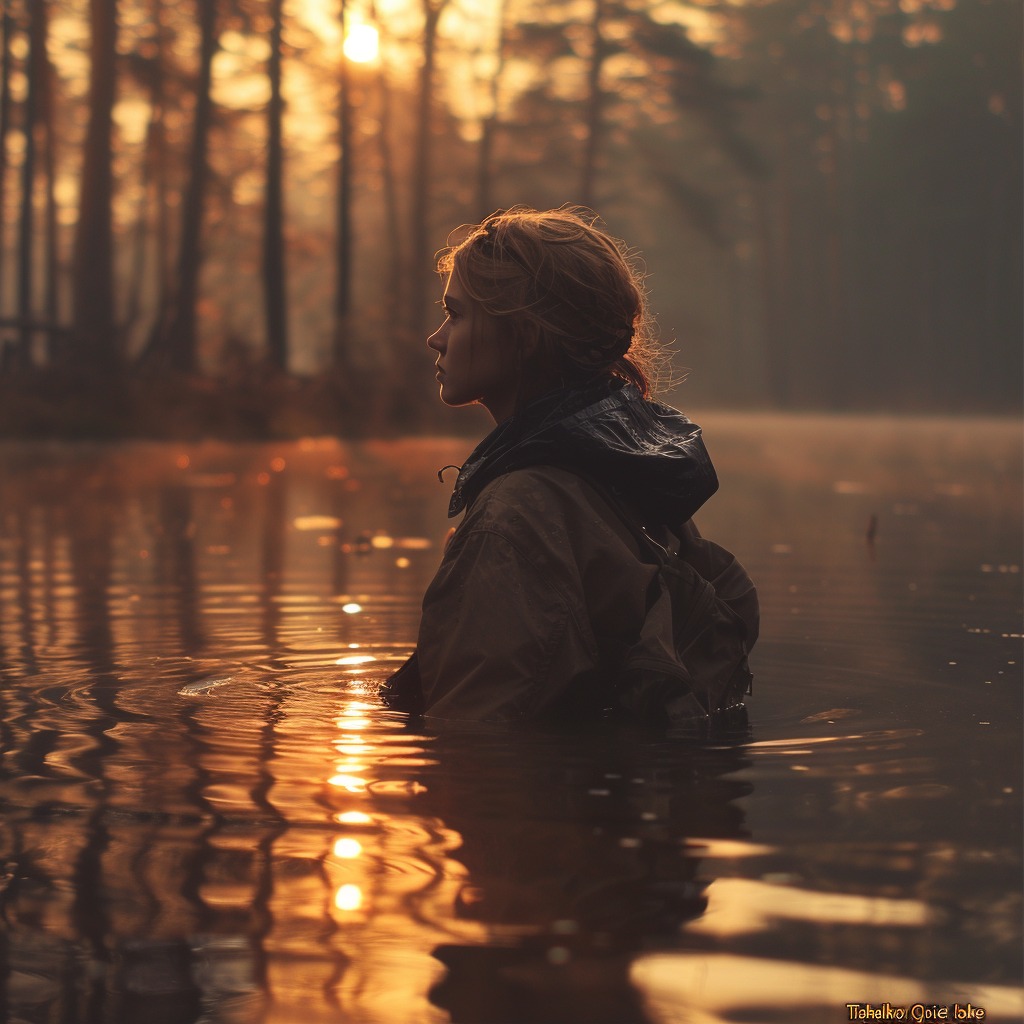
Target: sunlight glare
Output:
[(354, 818), (361, 44), (348, 898), (352, 783), (347, 848)]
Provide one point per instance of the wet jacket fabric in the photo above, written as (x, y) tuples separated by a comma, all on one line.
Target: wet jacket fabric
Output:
[(576, 571)]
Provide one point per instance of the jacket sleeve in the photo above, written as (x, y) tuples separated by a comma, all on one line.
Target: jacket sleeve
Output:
[(501, 636)]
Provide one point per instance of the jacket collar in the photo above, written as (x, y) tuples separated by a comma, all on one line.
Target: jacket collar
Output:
[(650, 450)]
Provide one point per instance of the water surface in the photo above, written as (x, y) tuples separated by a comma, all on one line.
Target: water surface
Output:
[(208, 816)]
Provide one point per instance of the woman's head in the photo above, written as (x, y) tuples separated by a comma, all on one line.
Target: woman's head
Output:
[(561, 298)]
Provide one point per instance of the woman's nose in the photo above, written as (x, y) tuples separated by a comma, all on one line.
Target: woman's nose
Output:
[(436, 340)]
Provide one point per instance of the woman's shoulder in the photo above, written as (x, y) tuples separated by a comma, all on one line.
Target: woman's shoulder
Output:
[(537, 489), (551, 502)]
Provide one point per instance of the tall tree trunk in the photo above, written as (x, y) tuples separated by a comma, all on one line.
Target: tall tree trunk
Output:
[(6, 26), (839, 362), (485, 154), (47, 98), (421, 170), (137, 275), (343, 257), (94, 242), (150, 169), (158, 127), (28, 169), (594, 109), (179, 343), (391, 219), (769, 274), (273, 233)]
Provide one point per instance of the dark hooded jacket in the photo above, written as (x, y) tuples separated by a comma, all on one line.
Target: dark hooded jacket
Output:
[(548, 600)]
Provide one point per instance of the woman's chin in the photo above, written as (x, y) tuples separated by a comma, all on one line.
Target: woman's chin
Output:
[(451, 397)]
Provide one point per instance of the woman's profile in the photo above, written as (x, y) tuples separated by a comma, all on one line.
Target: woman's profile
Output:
[(576, 583)]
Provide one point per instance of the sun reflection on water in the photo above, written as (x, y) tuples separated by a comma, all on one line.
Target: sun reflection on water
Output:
[(394, 884)]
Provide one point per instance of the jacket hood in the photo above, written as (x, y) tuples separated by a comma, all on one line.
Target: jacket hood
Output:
[(651, 452)]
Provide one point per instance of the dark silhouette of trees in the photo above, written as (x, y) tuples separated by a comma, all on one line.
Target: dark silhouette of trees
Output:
[(26, 225), (839, 201), (6, 26), (343, 242), (94, 243), (422, 271), (46, 99), (489, 125), (177, 342), (389, 187), (273, 224), (593, 117)]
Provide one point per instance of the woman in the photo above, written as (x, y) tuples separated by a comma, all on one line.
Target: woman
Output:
[(576, 582)]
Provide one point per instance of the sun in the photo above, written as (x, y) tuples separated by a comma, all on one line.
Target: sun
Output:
[(361, 43)]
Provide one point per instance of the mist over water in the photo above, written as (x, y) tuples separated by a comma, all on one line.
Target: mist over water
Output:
[(208, 815)]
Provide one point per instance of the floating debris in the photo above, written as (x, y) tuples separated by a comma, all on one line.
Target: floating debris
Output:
[(204, 686), (830, 716)]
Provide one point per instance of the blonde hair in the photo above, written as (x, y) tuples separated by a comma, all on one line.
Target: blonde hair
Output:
[(581, 289)]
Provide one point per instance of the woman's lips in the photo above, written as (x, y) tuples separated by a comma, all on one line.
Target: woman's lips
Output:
[(440, 374)]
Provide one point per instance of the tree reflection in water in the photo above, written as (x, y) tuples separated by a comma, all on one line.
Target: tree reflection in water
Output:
[(208, 816)]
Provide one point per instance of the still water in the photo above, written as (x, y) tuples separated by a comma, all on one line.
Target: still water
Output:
[(208, 816)]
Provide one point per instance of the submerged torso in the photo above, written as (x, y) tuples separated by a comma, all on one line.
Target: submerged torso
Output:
[(551, 592)]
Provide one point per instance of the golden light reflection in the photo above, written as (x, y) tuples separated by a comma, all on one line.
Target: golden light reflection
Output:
[(355, 659), (361, 44), (739, 906), (347, 848), (354, 818), (350, 783), (395, 887), (348, 897), (715, 988), (352, 608)]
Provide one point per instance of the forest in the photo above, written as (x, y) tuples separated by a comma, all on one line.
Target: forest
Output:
[(221, 217)]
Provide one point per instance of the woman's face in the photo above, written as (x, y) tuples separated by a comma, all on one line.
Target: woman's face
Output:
[(472, 364)]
